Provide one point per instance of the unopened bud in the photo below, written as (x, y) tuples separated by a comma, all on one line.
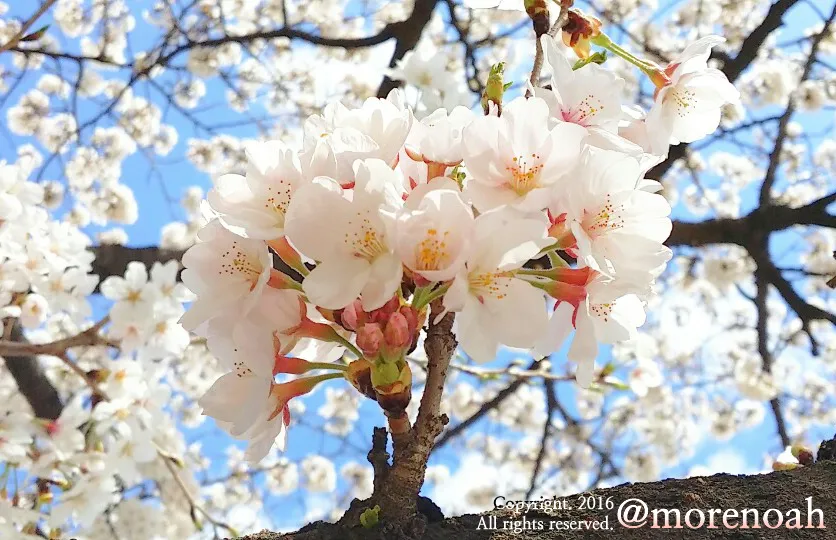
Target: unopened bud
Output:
[(353, 316), (538, 12), (370, 338), (494, 88), (411, 318), (397, 332), (381, 314)]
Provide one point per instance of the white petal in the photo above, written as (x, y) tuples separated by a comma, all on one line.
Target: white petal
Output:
[(383, 281), (337, 282)]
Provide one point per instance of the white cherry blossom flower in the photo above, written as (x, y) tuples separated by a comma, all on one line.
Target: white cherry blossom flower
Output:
[(352, 240), (258, 203), (495, 306), (617, 229), (690, 101), (589, 97), (434, 240), (225, 271), (517, 158)]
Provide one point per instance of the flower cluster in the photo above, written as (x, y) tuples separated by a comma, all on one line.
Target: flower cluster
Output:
[(530, 222)]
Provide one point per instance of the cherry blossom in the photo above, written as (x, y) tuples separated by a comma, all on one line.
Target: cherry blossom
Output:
[(691, 95), (333, 238), (258, 203), (233, 280), (355, 253), (516, 159), (495, 306)]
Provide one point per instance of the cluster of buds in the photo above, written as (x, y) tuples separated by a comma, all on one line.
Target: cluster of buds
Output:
[(386, 333), (384, 336)]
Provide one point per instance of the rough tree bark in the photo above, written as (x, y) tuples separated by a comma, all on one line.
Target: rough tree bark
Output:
[(782, 491)]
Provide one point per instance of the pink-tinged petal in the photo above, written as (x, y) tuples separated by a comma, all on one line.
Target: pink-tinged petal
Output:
[(607, 140), (562, 73), (486, 196), (236, 398), (526, 123), (206, 307), (565, 141), (456, 296), (506, 238), (335, 283)]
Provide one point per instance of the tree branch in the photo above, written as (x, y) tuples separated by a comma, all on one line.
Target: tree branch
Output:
[(27, 24), (407, 35)]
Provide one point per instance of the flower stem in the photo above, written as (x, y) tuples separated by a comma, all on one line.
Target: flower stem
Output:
[(327, 365), (428, 298), (325, 377), (348, 345), (604, 41)]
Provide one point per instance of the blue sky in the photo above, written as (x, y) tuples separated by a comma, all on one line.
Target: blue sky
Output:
[(157, 195)]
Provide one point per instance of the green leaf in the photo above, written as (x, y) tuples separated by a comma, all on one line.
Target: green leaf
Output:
[(597, 58), (36, 35)]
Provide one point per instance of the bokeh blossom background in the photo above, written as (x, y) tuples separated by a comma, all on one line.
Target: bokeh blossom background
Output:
[(124, 113)]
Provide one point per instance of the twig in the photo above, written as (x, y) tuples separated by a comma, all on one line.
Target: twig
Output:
[(87, 338), (26, 25), (487, 407), (511, 371), (534, 79), (195, 507)]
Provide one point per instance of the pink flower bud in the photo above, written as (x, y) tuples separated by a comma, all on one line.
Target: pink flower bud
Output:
[(381, 315), (397, 332), (369, 339), (353, 316), (411, 318)]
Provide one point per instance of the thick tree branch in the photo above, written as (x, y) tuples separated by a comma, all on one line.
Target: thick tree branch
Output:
[(407, 34), (780, 491), (32, 381)]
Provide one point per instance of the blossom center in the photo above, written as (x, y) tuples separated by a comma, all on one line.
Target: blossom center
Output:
[(277, 201), (684, 98), (236, 262), (607, 218), (364, 239), (432, 252), (602, 311), (583, 113), (489, 284), (525, 173)]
